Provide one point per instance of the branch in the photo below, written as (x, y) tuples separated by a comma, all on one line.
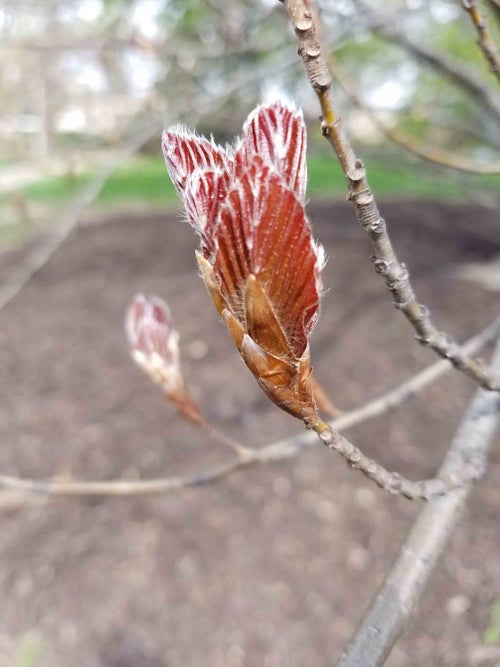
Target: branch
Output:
[(434, 155), (398, 595), (393, 482), (484, 38), (273, 453), (386, 262), (71, 217), (389, 30)]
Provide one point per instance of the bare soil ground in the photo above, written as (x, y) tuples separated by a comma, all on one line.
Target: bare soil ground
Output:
[(274, 566)]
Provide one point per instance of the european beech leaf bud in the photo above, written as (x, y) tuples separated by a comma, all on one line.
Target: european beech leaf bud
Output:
[(154, 346), (258, 258)]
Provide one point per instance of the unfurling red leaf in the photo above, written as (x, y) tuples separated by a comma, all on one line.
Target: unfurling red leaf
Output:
[(262, 231), (185, 152), (258, 258), (278, 134)]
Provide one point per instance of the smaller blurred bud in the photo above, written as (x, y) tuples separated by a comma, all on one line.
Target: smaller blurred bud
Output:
[(154, 346), (154, 341)]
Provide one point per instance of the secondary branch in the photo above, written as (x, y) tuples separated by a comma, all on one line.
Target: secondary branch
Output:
[(276, 452), (484, 37), (386, 262), (405, 582)]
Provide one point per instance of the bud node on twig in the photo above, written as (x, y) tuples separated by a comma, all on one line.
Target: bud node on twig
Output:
[(354, 459), (399, 279), (313, 51), (403, 305), (423, 312), (364, 199), (357, 174), (426, 341), (321, 83), (395, 483), (304, 24), (381, 265), (377, 226)]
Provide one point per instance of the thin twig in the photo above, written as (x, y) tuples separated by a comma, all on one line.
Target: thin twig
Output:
[(44, 250), (273, 453), (415, 384), (226, 440), (394, 482), (386, 262), (433, 155), (389, 29), (484, 37), (398, 595)]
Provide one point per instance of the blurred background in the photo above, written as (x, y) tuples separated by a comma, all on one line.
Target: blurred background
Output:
[(82, 80), (274, 565)]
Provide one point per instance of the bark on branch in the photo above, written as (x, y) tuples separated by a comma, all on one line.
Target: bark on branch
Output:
[(398, 595), (484, 37), (386, 262), (394, 482)]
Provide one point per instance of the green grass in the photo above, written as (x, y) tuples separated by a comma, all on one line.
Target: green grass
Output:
[(390, 178), (491, 634), (142, 179), (55, 188), (145, 179)]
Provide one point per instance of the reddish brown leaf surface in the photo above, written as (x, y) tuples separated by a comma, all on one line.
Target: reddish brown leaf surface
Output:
[(263, 231), (204, 192)]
